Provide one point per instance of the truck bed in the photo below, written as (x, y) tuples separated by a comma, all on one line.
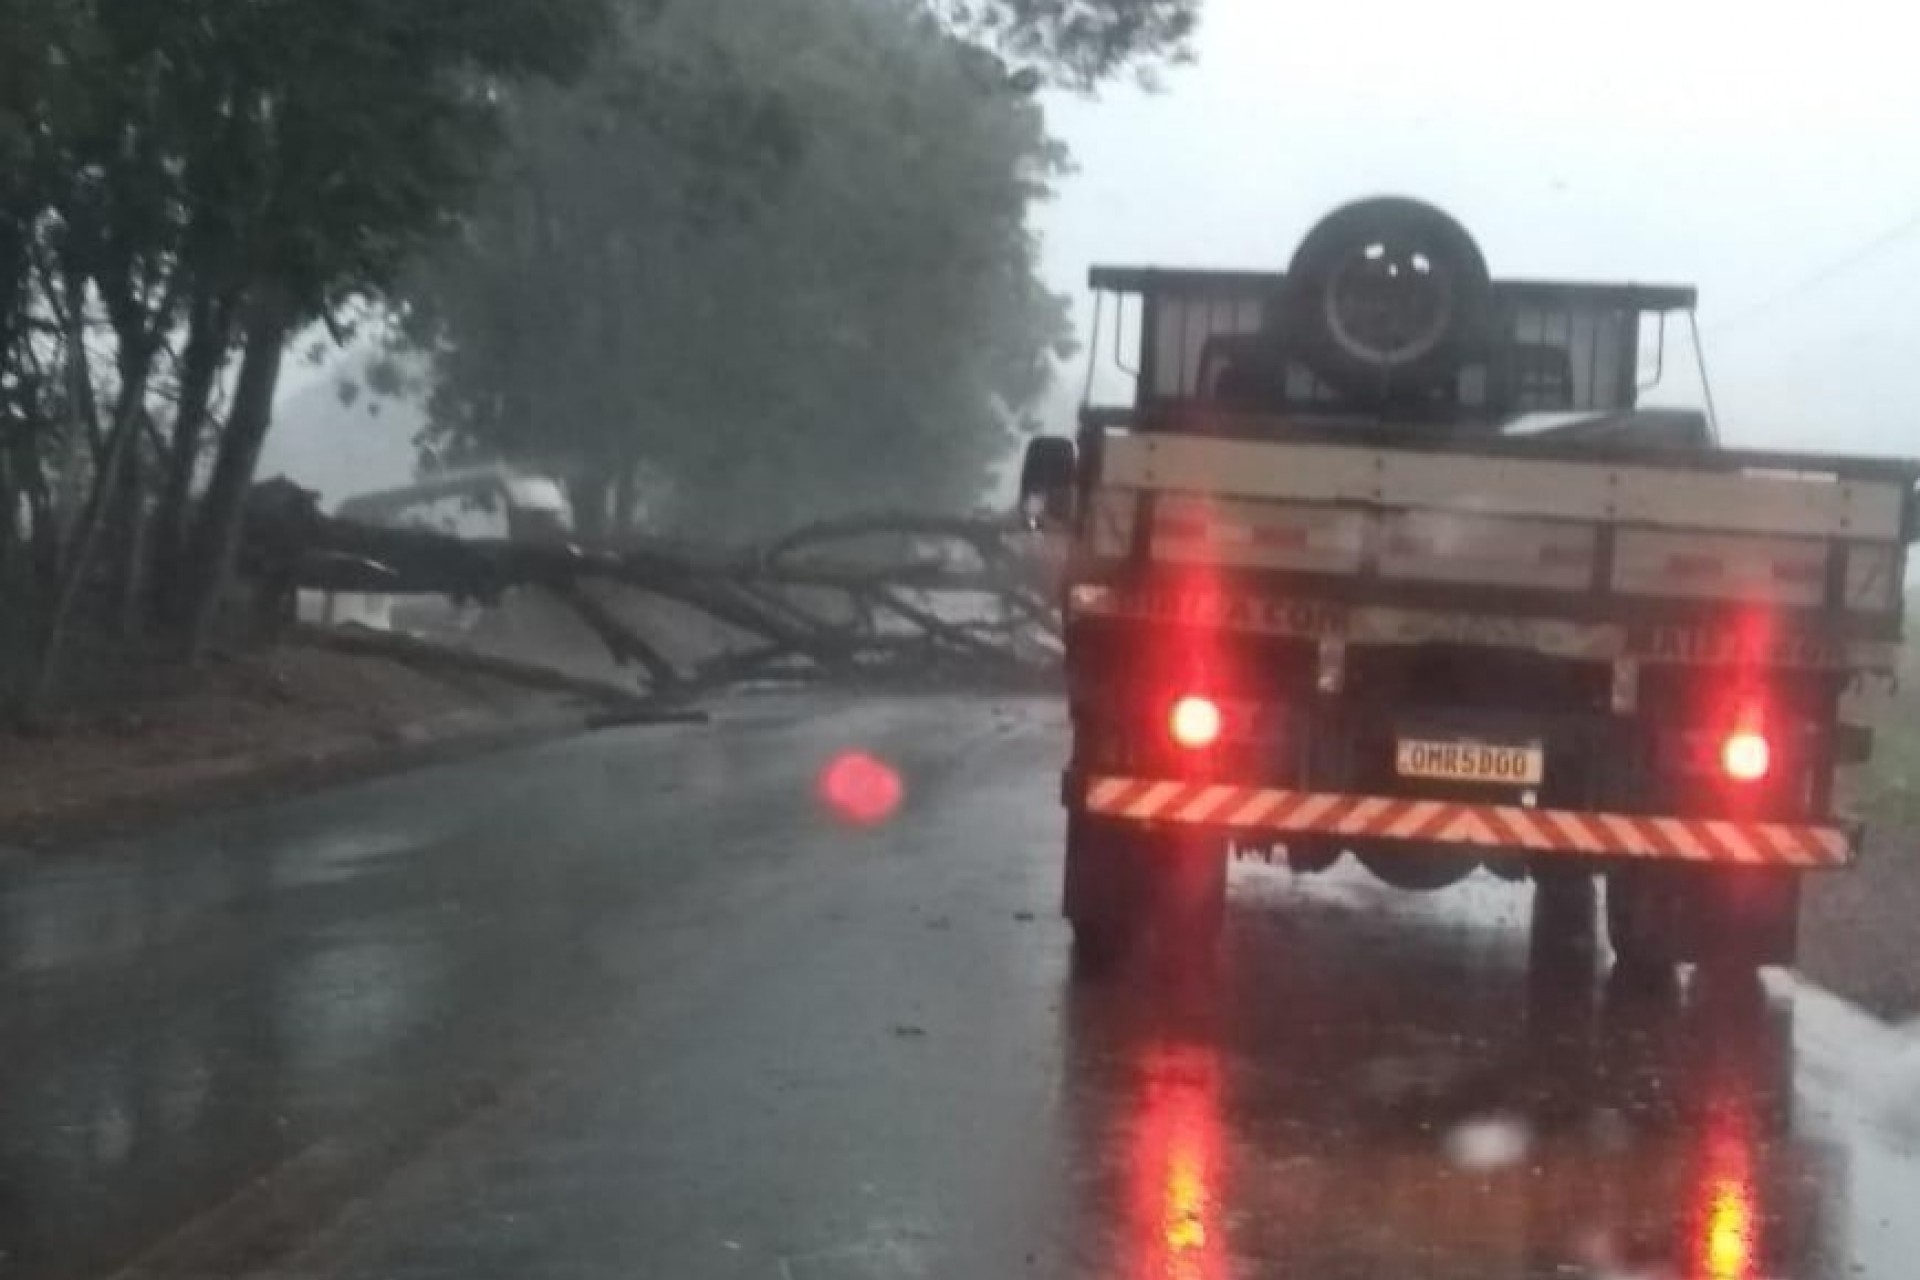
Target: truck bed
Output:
[(1682, 556)]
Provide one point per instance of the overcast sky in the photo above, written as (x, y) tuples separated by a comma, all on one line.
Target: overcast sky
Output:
[(1669, 142), (1660, 142)]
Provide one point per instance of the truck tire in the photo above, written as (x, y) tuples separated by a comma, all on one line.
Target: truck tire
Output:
[(1563, 910), (1129, 888), (1731, 920), (1642, 937), (1101, 896)]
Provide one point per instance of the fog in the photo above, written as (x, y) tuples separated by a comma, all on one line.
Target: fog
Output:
[(1744, 153), (1765, 160)]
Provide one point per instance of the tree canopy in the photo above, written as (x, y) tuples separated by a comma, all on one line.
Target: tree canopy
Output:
[(186, 182), (1077, 42), (765, 252), (770, 261)]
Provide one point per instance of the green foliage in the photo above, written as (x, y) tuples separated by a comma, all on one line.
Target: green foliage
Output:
[(792, 228), (1078, 42), (772, 256), (181, 179)]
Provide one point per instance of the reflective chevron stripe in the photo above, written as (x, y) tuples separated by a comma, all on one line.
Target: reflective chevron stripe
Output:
[(1473, 825)]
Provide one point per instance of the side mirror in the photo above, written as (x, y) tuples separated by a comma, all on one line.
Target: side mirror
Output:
[(1047, 479)]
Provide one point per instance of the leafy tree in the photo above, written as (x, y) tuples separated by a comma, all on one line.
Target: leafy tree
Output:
[(184, 184), (190, 180), (368, 123), (771, 261), (1078, 42)]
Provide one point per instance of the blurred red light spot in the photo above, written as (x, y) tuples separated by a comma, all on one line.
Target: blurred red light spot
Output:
[(861, 789), (1746, 756), (1195, 723)]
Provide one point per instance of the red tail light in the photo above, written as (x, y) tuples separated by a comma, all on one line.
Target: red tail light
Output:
[(1195, 722), (1746, 755)]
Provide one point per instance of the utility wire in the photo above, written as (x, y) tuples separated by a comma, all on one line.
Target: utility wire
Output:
[(1821, 276)]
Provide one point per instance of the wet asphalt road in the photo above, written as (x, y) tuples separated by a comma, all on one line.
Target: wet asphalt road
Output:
[(637, 1005)]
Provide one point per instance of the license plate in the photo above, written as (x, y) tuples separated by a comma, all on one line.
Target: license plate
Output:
[(1471, 762)]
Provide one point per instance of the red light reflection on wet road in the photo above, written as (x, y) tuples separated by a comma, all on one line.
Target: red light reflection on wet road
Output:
[(861, 789), (1728, 1221), (1175, 1166)]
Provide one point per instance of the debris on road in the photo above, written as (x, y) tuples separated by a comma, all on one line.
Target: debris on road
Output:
[(876, 599), (644, 716)]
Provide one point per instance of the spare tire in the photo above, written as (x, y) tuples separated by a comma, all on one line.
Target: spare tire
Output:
[(1386, 298)]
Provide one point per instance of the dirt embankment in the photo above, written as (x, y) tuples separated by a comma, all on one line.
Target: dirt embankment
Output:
[(167, 737)]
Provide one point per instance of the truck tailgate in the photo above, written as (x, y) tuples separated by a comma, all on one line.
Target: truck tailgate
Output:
[(1831, 544)]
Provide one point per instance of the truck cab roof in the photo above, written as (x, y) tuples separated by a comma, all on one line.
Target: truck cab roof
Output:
[(1388, 313)]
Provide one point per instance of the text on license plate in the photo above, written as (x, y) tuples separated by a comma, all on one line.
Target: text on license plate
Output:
[(1471, 762)]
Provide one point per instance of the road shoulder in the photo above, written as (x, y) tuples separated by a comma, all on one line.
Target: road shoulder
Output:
[(253, 728)]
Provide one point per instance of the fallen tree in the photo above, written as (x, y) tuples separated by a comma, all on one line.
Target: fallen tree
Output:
[(887, 598), (411, 652)]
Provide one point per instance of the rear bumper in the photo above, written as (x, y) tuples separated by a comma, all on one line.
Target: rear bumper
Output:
[(1481, 829)]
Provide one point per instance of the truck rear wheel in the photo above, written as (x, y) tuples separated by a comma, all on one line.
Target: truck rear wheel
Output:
[(1641, 947), (1563, 916), (1729, 919), (1129, 887)]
